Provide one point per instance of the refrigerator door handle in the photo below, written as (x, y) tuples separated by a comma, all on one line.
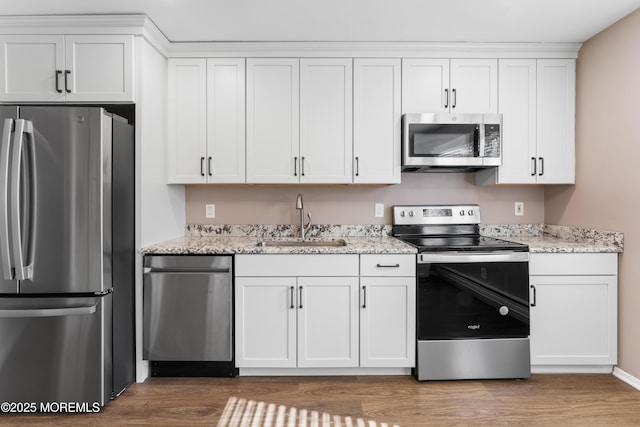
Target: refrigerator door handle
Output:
[(22, 127), (50, 312), (5, 150)]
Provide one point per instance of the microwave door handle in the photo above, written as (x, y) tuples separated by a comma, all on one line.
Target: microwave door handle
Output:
[(481, 147), (23, 128), (5, 151)]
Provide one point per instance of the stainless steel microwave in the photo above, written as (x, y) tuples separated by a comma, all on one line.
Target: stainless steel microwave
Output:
[(451, 142)]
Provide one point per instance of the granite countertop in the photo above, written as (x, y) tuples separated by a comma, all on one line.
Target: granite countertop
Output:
[(558, 239), (243, 240), (373, 239)]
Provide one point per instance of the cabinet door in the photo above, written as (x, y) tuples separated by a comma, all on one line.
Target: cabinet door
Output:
[(273, 120), (32, 68), (265, 313), (474, 86), (387, 321), (573, 320), (225, 120), (100, 68), (556, 121), (425, 86), (187, 121), (517, 101), (326, 139), (376, 121), (327, 322)]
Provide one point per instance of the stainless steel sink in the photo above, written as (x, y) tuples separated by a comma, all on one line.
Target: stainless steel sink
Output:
[(303, 243)]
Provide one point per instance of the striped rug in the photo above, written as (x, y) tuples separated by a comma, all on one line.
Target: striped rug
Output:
[(249, 413)]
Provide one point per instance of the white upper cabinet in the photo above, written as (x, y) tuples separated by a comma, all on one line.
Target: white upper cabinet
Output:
[(187, 121), (206, 121), (326, 147), (299, 120), (556, 118), (537, 103), (376, 121), (449, 86), (226, 120), (74, 68), (273, 97)]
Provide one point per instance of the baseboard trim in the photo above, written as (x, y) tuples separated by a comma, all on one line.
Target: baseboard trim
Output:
[(627, 378)]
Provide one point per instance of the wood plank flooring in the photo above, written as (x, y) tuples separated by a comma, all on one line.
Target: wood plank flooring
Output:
[(544, 400)]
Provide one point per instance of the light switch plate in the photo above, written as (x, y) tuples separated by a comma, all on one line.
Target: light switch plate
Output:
[(379, 211), (210, 211), (518, 208)]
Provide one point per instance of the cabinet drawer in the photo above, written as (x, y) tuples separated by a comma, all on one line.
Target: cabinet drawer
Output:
[(387, 265), (573, 264), (298, 265)]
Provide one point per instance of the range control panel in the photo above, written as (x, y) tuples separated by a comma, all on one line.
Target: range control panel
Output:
[(436, 214)]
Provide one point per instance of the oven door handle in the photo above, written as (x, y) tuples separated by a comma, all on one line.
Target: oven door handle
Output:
[(458, 257)]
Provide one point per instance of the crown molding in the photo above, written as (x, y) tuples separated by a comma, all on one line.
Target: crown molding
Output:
[(141, 25)]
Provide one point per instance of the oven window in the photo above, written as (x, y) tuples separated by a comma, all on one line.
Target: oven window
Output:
[(454, 303), (443, 140)]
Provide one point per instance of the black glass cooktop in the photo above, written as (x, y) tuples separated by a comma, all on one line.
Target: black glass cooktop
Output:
[(461, 243)]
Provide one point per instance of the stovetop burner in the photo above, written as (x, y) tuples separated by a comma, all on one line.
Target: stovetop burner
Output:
[(461, 243), (435, 228)]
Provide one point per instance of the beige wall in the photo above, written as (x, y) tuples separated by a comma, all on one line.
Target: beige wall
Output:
[(354, 204), (606, 194)]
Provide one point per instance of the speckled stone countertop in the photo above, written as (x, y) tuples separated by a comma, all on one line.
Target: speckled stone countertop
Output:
[(243, 239), (558, 239), (374, 239)]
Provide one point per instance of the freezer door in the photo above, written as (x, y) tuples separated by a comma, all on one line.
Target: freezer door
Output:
[(68, 247), (55, 350)]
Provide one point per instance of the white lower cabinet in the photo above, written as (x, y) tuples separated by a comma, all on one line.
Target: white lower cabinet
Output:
[(314, 311), (573, 312)]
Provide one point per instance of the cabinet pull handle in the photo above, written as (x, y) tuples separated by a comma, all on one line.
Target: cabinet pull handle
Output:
[(209, 166), (364, 297), (535, 166), (202, 166), (535, 296), (454, 95), (300, 290), (66, 80), (58, 74), (446, 98), (292, 305), (302, 166), (295, 166), (357, 166), (388, 265), (541, 166)]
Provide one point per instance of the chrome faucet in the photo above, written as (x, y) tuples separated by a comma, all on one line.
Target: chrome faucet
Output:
[(304, 229)]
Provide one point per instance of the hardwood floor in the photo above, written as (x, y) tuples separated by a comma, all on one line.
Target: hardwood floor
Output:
[(544, 400)]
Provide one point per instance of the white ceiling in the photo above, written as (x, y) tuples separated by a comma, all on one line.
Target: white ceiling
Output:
[(355, 20)]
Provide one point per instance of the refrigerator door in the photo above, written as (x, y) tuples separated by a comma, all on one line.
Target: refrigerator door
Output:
[(52, 350), (67, 243), (8, 115)]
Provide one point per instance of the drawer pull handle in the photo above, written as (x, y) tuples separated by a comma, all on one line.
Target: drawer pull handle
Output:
[(388, 266)]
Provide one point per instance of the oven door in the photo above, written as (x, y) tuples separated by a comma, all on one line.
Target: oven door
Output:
[(472, 296)]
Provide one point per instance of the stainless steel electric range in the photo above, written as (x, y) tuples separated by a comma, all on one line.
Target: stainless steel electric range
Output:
[(472, 295)]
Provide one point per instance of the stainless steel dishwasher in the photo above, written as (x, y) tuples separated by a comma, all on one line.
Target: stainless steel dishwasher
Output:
[(188, 315)]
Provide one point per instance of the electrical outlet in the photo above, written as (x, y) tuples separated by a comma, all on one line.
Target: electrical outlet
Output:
[(210, 211), (379, 211), (519, 208)]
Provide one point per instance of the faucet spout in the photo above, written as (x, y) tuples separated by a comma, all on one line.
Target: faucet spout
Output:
[(304, 229)]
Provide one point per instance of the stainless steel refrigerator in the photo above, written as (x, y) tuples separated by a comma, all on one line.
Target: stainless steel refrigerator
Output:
[(67, 255)]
